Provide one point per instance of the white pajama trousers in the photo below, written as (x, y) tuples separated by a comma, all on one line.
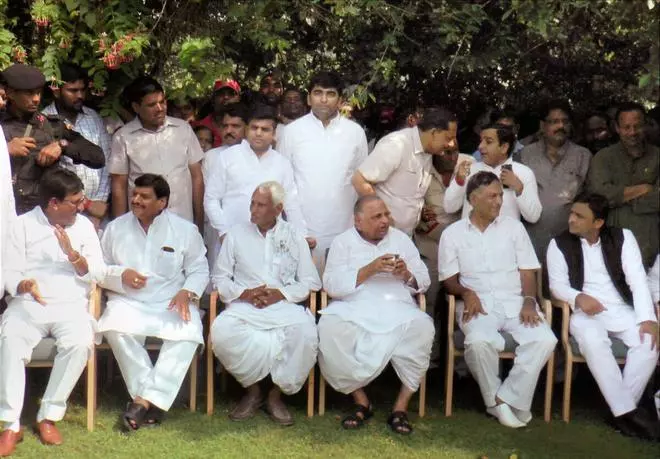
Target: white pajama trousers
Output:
[(251, 353), (159, 383), (18, 339), (350, 357), (622, 391), (483, 341)]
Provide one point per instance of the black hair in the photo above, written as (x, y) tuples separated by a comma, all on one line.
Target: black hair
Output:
[(481, 178), (155, 182), (327, 80), (263, 112), (201, 127), (436, 118), (140, 87), (58, 184), (629, 107), (505, 134), (505, 113), (596, 202), (556, 104), (70, 73), (237, 110)]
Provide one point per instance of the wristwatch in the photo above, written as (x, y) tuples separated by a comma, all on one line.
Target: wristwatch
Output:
[(192, 297), (63, 143)]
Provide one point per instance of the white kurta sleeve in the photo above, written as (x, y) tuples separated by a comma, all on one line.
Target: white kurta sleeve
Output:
[(529, 202), (525, 254), (340, 277), (223, 272), (195, 265), (307, 276), (14, 272), (415, 265), (385, 159), (560, 285), (633, 268), (292, 206), (214, 192), (448, 264), (454, 196), (112, 279), (654, 280)]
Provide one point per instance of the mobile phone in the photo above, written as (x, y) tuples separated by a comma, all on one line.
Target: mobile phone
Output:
[(508, 167)]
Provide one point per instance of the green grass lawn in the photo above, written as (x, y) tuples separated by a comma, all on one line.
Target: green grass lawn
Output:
[(468, 434)]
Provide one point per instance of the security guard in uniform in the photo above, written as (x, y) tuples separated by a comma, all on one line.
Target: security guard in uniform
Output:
[(36, 141)]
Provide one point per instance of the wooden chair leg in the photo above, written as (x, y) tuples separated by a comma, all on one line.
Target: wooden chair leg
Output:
[(568, 382), (549, 380), (91, 389), (449, 384), (210, 380), (193, 383), (422, 397), (321, 395), (310, 393)]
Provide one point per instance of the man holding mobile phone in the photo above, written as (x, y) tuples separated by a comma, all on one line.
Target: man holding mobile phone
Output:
[(521, 197)]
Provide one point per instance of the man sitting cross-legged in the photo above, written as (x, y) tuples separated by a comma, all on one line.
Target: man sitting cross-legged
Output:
[(157, 270), (264, 268), (372, 273), (488, 260), (598, 271), (51, 257)]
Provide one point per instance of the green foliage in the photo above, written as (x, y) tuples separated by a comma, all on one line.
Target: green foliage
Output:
[(461, 52)]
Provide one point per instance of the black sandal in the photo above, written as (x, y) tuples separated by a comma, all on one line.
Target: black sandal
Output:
[(133, 417), (398, 422), (153, 417), (356, 419)]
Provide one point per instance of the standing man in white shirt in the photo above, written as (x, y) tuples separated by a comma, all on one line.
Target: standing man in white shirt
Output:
[(232, 127), (487, 260), (521, 196), (325, 149), (55, 257), (239, 169), (372, 273), (598, 271), (263, 270), (157, 270), (157, 144), (398, 170), (69, 104)]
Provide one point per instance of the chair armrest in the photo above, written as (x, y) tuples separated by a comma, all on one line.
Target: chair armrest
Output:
[(546, 307), (451, 316), (565, 319), (324, 300), (213, 307), (312, 302), (95, 302), (421, 301)]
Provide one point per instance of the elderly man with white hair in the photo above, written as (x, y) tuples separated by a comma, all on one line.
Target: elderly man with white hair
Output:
[(264, 268), (372, 273)]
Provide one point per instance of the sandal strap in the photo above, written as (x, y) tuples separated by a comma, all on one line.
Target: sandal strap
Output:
[(365, 411), (398, 420), (135, 412)]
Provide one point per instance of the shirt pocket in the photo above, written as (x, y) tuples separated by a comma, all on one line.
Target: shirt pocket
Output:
[(168, 263)]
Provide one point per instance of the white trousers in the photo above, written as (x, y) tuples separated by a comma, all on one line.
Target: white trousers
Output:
[(159, 383), (18, 339), (622, 391), (351, 357), (251, 353), (483, 341)]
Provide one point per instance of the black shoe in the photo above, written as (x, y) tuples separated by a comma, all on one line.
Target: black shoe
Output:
[(637, 423)]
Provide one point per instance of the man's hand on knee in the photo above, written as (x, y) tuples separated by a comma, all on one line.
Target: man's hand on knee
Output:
[(589, 305), (472, 306), (649, 327)]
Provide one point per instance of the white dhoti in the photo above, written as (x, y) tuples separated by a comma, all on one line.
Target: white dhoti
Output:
[(19, 335), (622, 391), (280, 340), (351, 355), (483, 341), (127, 323)]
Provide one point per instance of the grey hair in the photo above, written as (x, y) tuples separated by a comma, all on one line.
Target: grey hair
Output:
[(276, 191), (362, 201)]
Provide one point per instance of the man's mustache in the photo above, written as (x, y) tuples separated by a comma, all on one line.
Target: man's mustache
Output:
[(563, 131)]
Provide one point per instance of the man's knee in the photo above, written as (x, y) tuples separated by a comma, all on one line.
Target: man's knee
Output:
[(591, 339), (423, 328), (224, 330)]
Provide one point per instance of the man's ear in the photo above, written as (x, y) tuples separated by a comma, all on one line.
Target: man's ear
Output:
[(135, 106), (599, 223), (56, 92)]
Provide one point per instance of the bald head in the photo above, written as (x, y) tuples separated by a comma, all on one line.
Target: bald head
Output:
[(363, 201)]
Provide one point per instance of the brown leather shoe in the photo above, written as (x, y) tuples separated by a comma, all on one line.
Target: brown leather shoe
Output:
[(48, 433), (278, 412), (246, 408), (8, 441)]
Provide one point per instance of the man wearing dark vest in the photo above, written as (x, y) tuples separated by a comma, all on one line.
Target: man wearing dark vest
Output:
[(598, 271)]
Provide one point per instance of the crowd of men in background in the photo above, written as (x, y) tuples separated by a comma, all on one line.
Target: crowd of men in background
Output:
[(357, 190)]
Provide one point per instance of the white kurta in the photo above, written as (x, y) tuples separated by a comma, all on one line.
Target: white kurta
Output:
[(654, 280), (324, 160), (527, 205), (279, 340), (7, 206), (489, 264), (366, 327), (622, 391), (236, 174), (172, 256)]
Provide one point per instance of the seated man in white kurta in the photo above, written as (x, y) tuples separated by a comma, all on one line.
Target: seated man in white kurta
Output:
[(156, 272), (488, 260), (52, 256), (264, 268), (372, 273), (598, 271)]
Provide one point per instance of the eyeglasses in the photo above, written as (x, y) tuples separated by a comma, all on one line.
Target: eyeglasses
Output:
[(76, 203)]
